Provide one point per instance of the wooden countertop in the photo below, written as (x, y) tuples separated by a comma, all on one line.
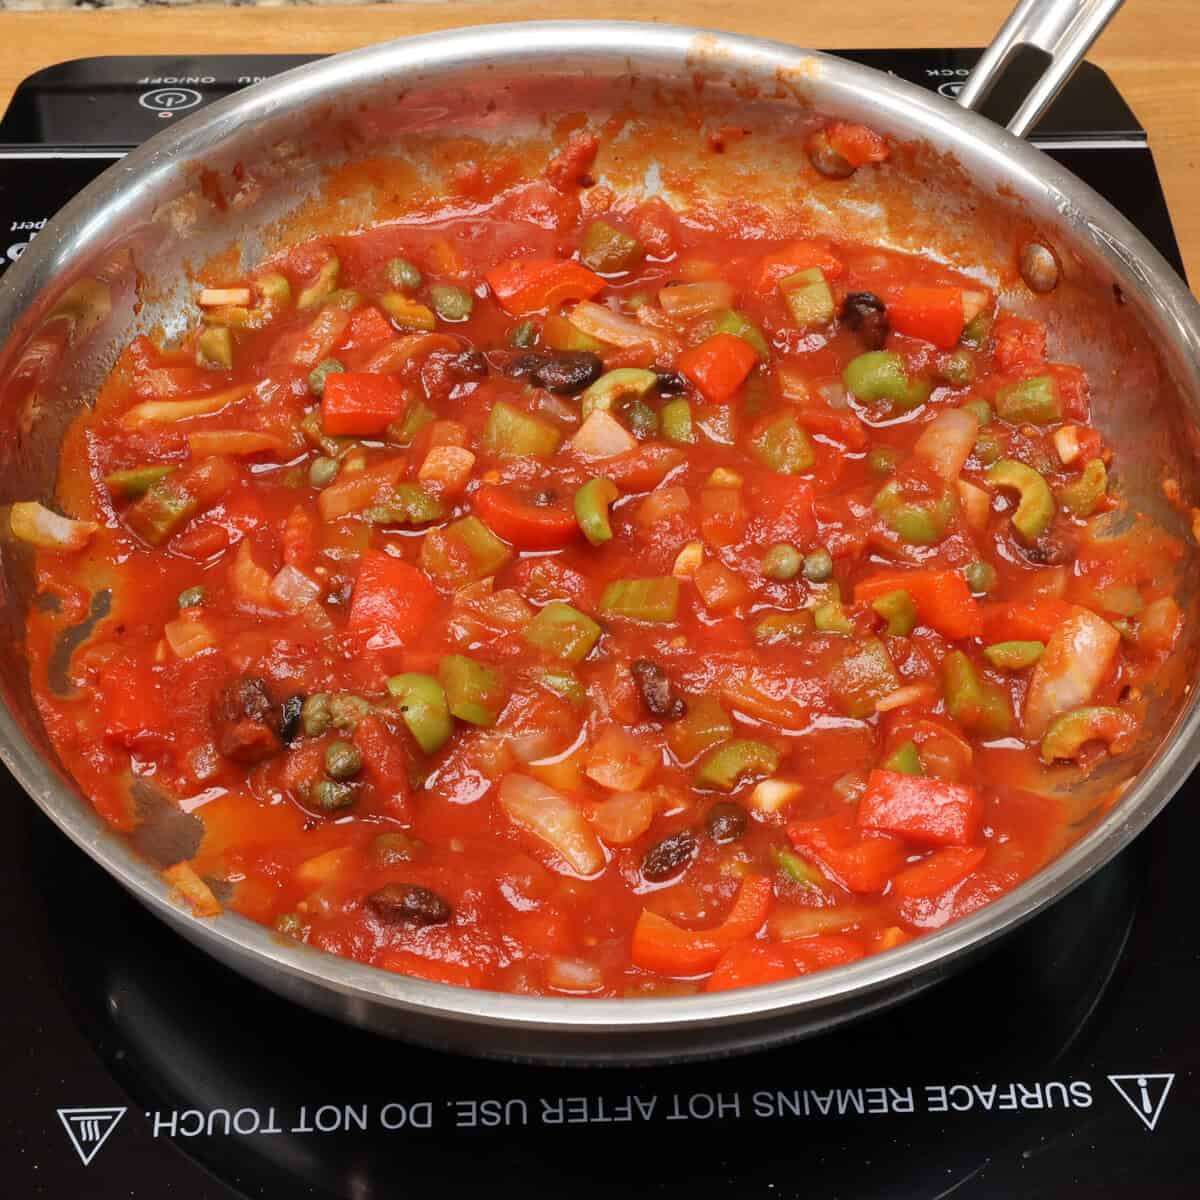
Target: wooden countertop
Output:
[(1151, 49)]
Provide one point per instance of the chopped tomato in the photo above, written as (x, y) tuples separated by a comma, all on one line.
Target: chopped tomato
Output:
[(392, 602), (858, 863), (368, 327), (1019, 345), (939, 872), (751, 964), (570, 166)]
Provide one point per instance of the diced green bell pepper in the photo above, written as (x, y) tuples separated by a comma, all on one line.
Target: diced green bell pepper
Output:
[(563, 683), (563, 632), (1072, 730), (135, 481), (1035, 510), (1032, 400), (214, 348), (653, 600), (980, 707), (511, 433), (404, 431), (406, 504), (899, 611), (613, 386), (322, 286), (905, 760), (676, 421), (164, 508), (920, 523), (474, 693), (1013, 656), (424, 708), (465, 550), (724, 765), (777, 628), (729, 320), (880, 375), (797, 869), (407, 313)]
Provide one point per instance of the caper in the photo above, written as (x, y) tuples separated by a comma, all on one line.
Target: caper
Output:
[(782, 562), (883, 460), (319, 373), (818, 566), (346, 710), (524, 335), (641, 419), (191, 597), (451, 303), (403, 274), (988, 446), (391, 849), (958, 369), (342, 760), (981, 577), (315, 716), (329, 795), (323, 471)]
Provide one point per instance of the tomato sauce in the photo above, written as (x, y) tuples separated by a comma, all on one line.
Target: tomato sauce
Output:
[(604, 604)]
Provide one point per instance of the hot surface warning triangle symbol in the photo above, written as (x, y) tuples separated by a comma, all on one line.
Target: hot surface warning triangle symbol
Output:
[(88, 1128), (1145, 1094)]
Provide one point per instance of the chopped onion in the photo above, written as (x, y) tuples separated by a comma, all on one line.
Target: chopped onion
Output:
[(1077, 660), (220, 297), (159, 412), (575, 975), (600, 322), (324, 868), (620, 760), (36, 524), (976, 504), (235, 442), (833, 392), (692, 299), (799, 921), (293, 589), (623, 818), (773, 795), (948, 440), (913, 693), (973, 304), (603, 436), (193, 889), (188, 635), (530, 747), (1066, 442), (396, 353), (551, 817)]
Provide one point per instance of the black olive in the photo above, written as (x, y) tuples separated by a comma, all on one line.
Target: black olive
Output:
[(408, 904), (866, 314), (669, 856), (246, 721), (565, 372), (826, 159), (656, 692), (726, 822), (671, 383), (1048, 551), (289, 718)]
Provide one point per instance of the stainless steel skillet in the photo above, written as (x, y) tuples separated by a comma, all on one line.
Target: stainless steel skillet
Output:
[(260, 168)]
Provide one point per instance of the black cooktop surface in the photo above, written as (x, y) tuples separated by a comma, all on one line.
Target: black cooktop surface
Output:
[(1065, 1064)]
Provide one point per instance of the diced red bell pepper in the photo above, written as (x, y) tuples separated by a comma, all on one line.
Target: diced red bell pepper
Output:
[(570, 166), (404, 962), (750, 964), (660, 945), (393, 602), (368, 327), (939, 872), (943, 600), (719, 366), (796, 256), (860, 864), (857, 144), (922, 809), (357, 403), (1019, 345), (1024, 621), (537, 284), (934, 314), (512, 512)]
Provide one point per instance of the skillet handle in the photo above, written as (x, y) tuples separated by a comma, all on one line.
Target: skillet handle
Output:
[(1062, 29)]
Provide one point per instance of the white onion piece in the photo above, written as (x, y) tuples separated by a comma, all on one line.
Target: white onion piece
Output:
[(573, 975), (947, 441), (603, 436), (1077, 660), (293, 589), (36, 524), (188, 635), (617, 330), (550, 816)]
